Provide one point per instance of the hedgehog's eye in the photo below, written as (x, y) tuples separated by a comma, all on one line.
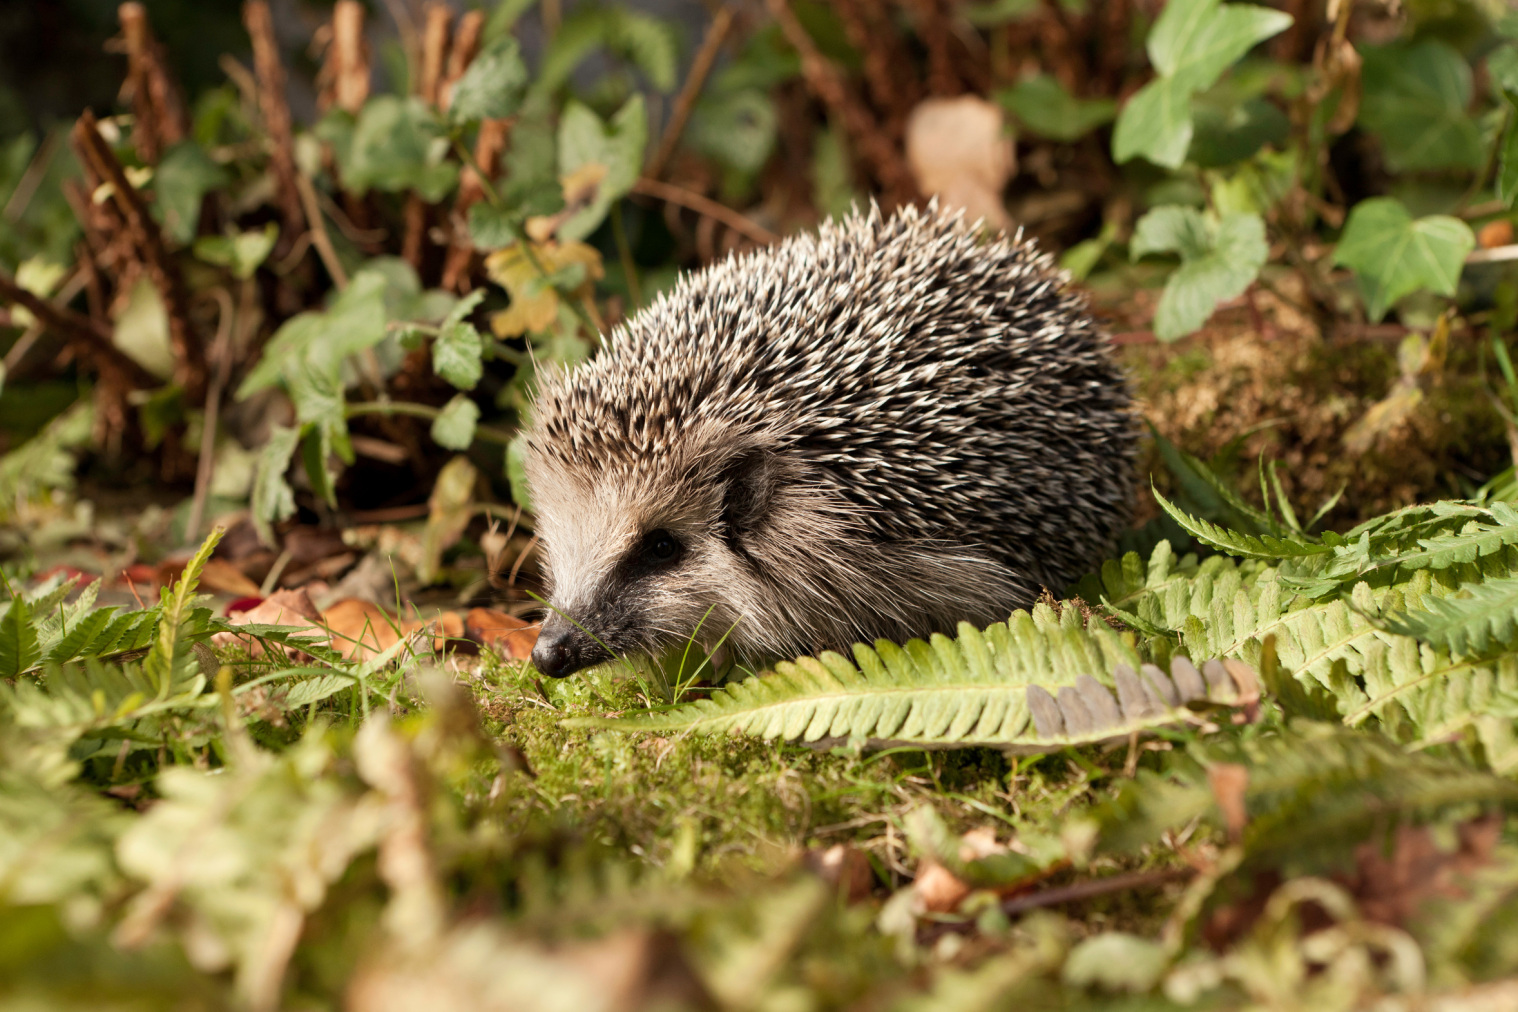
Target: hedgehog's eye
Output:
[(660, 546)]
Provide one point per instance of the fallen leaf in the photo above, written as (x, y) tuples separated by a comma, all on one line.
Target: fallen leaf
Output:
[(1495, 233), (507, 635), (225, 578), (958, 150), (362, 629), (291, 608), (1229, 781), (937, 888)]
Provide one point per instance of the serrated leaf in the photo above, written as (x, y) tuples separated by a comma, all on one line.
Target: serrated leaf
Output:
[(493, 86), (1218, 262), (166, 664), (1393, 255), (1414, 98), (1248, 546), (19, 649), (454, 426), (456, 354), (1484, 616), (617, 146)]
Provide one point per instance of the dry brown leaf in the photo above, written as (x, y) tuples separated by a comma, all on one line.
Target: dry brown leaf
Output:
[(507, 635), (224, 577), (958, 149), (362, 629), (938, 888), (1495, 233), (291, 608)]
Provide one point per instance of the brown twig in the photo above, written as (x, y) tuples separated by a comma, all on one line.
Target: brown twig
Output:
[(89, 338), (705, 206), (189, 355), (158, 113), (865, 136), (275, 110), (319, 237), (700, 67), (1095, 887), (437, 27)]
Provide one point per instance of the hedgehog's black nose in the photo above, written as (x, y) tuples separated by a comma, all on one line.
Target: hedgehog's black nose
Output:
[(562, 649)]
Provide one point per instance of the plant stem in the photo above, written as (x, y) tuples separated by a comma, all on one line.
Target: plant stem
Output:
[(485, 432), (625, 254)]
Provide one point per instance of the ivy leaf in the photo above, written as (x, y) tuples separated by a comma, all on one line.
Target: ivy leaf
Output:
[(1414, 100), (183, 178), (241, 252), (456, 351), (1192, 43), (453, 428), (1392, 255), (737, 129), (1218, 262), (1043, 106), (398, 144), (493, 86), (273, 499), (616, 146)]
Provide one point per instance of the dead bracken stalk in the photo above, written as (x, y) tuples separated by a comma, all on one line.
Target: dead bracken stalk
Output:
[(147, 239), (158, 112), (91, 340), (865, 135), (275, 110), (344, 75)]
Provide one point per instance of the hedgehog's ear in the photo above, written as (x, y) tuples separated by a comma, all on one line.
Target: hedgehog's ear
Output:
[(749, 480)]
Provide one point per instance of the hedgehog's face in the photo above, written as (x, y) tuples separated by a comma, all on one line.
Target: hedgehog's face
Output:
[(641, 561)]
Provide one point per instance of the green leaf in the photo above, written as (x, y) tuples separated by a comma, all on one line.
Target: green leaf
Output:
[(321, 341), (1249, 546), (399, 144), (737, 129), (457, 349), (19, 649), (1392, 255), (516, 471), (1414, 98), (493, 86), (1218, 262), (1230, 132), (168, 661), (453, 429), (240, 252), (315, 455), (616, 146), (183, 177), (1192, 43), (1043, 106), (1483, 617), (273, 499), (645, 41)]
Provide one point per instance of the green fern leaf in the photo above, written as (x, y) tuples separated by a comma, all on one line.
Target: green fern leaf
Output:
[(1249, 546), (19, 649), (169, 659), (1485, 618)]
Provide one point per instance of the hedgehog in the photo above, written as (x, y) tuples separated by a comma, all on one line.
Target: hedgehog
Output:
[(877, 431)]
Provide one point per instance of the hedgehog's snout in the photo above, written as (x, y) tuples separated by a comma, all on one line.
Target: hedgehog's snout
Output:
[(562, 649)]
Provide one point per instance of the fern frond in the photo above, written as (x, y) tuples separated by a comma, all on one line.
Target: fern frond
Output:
[(1484, 617), (1026, 685), (1249, 546), (168, 660)]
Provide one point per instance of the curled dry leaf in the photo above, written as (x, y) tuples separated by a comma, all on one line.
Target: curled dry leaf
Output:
[(958, 150), (1229, 781), (939, 889)]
